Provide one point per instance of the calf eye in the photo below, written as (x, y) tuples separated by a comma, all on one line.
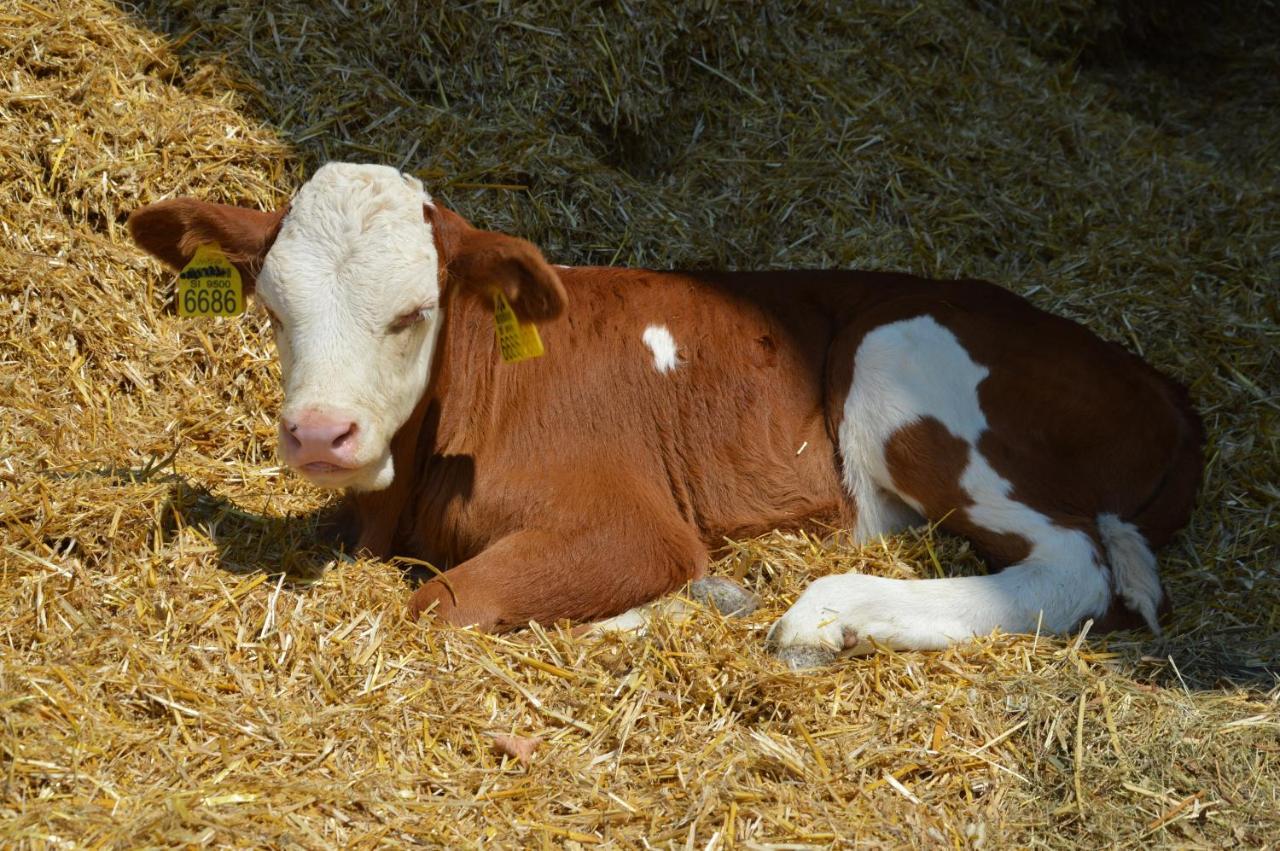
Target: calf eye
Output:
[(408, 320)]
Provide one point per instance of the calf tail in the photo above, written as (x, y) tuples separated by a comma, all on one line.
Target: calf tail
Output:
[(1129, 541), (1133, 568)]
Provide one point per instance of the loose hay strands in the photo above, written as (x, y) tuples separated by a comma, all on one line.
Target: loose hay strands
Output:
[(180, 664)]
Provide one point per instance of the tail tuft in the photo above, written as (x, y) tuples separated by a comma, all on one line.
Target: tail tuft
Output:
[(1133, 567)]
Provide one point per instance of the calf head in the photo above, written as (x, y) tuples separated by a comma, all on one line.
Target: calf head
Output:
[(356, 273)]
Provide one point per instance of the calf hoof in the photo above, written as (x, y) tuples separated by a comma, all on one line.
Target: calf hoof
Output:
[(724, 595), (800, 656)]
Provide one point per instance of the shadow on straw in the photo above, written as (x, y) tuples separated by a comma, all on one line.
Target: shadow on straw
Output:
[(297, 545)]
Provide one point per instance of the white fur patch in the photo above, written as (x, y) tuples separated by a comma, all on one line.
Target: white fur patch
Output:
[(848, 612), (353, 254), (638, 620), (663, 346), (904, 372)]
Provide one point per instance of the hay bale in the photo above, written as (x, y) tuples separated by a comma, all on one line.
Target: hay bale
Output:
[(182, 664)]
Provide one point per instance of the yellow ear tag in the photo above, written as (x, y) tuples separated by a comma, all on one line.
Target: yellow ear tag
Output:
[(517, 340), (210, 285)]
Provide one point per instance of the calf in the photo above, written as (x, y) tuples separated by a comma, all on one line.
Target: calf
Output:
[(672, 410)]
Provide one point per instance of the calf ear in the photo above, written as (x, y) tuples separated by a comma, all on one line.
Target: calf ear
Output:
[(173, 230), (478, 262)]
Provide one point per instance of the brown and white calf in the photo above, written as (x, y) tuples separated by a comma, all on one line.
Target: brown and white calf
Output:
[(674, 409)]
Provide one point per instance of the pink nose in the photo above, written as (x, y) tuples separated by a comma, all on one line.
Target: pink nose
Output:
[(319, 441)]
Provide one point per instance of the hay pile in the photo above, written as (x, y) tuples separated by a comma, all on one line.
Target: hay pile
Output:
[(162, 683)]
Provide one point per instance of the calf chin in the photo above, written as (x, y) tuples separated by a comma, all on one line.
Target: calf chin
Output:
[(377, 476), (372, 477)]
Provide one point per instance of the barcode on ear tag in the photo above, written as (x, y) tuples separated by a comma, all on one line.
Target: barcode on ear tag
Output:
[(517, 340), (210, 285)]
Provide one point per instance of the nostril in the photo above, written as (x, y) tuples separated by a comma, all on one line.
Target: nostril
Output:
[(288, 432), (345, 437)]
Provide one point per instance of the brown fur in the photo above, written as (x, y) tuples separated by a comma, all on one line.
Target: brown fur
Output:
[(926, 462), (714, 442), (172, 231), (480, 262), (585, 482)]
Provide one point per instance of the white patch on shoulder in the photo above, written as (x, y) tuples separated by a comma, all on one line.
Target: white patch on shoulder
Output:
[(663, 346), (904, 372)]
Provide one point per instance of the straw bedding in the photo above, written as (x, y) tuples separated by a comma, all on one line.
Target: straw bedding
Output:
[(181, 664)]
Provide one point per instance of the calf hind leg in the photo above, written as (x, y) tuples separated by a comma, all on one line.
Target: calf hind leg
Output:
[(914, 425), (1058, 574), (854, 612)]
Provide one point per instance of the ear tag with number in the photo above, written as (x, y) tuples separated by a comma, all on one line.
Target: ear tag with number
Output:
[(210, 285), (517, 340)]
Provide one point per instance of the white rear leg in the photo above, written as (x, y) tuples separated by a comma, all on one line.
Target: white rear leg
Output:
[(914, 383), (854, 612)]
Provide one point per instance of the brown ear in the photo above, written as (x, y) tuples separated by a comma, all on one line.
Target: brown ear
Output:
[(480, 261), (173, 230)]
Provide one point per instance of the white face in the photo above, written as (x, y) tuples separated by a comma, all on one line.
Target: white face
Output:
[(352, 284)]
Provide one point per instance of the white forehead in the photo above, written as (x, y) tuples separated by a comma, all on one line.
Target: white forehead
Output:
[(353, 231)]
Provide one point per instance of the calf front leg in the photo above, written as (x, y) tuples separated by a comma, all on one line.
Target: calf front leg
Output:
[(536, 575)]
